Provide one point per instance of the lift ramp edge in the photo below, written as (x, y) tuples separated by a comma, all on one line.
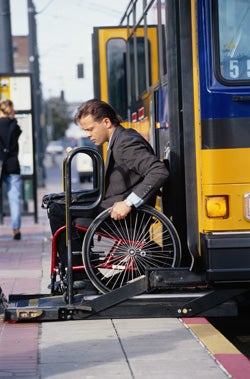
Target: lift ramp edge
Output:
[(109, 299), (33, 312)]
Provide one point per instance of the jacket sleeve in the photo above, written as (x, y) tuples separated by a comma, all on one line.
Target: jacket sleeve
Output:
[(137, 155)]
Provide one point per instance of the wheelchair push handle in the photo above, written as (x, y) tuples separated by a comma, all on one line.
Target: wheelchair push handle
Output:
[(98, 176)]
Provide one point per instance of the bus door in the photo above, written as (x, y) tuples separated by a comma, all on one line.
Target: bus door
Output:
[(120, 75)]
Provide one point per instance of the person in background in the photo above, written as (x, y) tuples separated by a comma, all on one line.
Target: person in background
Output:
[(11, 167)]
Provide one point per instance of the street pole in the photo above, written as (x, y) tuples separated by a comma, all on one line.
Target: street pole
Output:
[(6, 65), (6, 50), (37, 96)]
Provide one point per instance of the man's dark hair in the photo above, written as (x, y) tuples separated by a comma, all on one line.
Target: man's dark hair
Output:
[(99, 110)]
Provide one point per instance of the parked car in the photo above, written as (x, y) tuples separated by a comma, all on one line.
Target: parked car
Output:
[(54, 147), (84, 164)]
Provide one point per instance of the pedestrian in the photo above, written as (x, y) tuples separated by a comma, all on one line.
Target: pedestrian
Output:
[(9, 135)]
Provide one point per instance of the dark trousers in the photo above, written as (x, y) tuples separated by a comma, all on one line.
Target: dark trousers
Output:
[(57, 219)]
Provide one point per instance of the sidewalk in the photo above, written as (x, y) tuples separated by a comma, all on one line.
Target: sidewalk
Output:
[(90, 349), (21, 271)]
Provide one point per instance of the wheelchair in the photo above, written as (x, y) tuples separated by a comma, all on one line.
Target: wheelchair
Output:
[(113, 253)]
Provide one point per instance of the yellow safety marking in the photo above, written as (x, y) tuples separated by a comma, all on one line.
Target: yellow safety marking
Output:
[(215, 342)]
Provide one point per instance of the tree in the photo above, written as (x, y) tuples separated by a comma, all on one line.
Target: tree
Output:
[(57, 117)]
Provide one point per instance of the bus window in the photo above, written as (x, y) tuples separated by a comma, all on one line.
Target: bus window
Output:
[(141, 67), (234, 36), (131, 71), (141, 64), (117, 89)]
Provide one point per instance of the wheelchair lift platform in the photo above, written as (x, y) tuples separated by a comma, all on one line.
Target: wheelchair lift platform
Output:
[(137, 299), (166, 291)]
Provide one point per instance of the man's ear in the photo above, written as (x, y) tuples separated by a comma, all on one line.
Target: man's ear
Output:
[(107, 122)]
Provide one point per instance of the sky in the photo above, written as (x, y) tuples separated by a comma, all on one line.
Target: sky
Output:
[(64, 29)]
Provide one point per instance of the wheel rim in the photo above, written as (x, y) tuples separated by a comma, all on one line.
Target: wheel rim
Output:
[(115, 252)]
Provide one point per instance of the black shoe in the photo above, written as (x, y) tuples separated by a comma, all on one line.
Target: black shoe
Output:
[(17, 236), (79, 284)]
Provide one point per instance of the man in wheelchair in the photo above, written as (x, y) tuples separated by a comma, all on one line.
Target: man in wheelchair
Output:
[(133, 173)]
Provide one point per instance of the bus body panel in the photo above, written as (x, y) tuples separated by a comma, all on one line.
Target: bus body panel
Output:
[(196, 115), (225, 150)]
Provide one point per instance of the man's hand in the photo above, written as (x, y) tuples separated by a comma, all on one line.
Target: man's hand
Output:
[(120, 210)]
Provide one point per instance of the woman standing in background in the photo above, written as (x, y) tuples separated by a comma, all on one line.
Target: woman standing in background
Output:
[(9, 135)]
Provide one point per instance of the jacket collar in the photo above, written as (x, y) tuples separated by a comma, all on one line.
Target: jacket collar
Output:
[(118, 129)]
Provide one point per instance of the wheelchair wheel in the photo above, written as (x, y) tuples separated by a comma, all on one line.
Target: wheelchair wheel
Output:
[(115, 252)]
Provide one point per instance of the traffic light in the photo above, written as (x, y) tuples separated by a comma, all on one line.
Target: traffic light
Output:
[(80, 71)]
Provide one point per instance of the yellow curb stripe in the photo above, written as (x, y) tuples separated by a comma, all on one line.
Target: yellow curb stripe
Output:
[(215, 342)]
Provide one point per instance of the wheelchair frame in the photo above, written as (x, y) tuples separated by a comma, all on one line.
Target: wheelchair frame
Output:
[(57, 270), (115, 252)]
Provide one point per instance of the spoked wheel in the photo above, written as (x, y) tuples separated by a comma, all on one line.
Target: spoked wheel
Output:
[(115, 252)]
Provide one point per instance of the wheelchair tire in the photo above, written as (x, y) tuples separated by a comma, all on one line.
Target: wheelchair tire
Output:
[(115, 252)]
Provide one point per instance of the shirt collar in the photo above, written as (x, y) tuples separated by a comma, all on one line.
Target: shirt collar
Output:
[(109, 143)]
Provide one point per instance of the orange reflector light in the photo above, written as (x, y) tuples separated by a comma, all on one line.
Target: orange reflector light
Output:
[(217, 206)]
